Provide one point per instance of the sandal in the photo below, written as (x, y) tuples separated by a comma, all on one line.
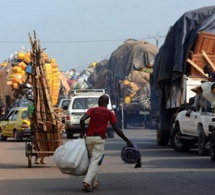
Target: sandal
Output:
[(86, 187), (96, 186)]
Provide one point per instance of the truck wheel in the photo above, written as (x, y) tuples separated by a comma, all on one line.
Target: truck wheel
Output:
[(177, 143), (212, 147), (148, 122), (163, 137), (202, 141)]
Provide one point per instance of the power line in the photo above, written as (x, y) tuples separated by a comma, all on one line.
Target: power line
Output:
[(157, 38), (87, 41)]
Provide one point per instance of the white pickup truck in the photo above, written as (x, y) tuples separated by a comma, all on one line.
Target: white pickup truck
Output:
[(192, 129), (80, 102)]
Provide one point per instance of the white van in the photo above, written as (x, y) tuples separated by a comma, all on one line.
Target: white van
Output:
[(80, 102)]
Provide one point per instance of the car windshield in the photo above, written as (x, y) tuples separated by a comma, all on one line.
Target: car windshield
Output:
[(85, 103), (24, 103), (24, 115)]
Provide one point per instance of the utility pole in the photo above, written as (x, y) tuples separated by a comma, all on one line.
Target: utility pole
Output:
[(157, 38)]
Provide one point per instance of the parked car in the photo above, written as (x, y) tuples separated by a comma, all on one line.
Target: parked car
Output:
[(192, 129), (16, 124)]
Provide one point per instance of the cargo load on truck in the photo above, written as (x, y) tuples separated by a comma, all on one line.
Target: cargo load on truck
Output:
[(188, 47), (129, 69)]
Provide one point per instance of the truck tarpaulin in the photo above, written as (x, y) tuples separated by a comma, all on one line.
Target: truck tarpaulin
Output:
[(170, 62)]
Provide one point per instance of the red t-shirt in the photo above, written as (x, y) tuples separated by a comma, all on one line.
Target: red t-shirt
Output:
[(99, 118)]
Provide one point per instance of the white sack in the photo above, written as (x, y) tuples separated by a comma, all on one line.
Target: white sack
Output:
[(72, 157)]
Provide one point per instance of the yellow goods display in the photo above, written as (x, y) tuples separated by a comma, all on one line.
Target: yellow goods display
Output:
[(18, 74), (52, 73)]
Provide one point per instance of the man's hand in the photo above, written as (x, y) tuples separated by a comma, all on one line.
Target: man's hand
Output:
[(130, 144), (81, 135)]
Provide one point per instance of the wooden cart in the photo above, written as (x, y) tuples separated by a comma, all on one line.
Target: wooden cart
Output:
[(49, 147)]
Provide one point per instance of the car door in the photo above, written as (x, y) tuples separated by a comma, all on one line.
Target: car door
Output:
[(6, 127), (12, 123), (78, 110), (190, 123)]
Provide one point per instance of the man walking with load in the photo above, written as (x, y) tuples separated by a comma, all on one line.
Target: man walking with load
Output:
[(95, 138)]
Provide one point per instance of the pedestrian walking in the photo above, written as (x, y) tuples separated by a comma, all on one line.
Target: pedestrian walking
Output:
[(95, 138), (4, 111)]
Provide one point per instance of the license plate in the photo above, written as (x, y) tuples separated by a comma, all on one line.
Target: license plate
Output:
[(144, 112)]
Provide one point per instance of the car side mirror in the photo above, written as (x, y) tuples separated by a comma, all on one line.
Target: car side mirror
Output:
[(65, 107)]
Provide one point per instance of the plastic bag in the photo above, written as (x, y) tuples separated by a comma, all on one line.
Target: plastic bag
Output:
[(72, 157)]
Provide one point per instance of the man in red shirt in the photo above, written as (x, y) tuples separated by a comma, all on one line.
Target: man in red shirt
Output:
[(95, 138)]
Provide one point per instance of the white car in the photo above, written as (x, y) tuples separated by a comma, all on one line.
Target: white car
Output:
[(79, 103), (192, 129)]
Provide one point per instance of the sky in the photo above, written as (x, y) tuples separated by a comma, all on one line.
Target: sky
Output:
[(77, 33)]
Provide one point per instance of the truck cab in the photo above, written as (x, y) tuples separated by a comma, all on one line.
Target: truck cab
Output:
[(80, 102)]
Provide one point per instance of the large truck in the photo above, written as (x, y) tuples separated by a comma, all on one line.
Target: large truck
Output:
[(127, 83), (189, 45)]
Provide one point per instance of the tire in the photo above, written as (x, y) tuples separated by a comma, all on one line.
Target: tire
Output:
[(16, 136), (202, 141), (0, 134), (3, 138), (29, 161), (212, 146), (163, 137), (176, 142)]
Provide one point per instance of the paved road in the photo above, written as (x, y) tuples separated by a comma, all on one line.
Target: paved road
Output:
[(163, 171)]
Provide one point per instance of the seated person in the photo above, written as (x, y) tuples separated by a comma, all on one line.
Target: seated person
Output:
[(204, 98)]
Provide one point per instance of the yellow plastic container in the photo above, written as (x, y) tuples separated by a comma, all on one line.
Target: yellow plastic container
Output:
[(127, 100), (134, 86), (52, 60), (21, 55), (22, 65), (16, 69), (28, 55), (54, 65), (15, 85), (132, 95), (27, 60)]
